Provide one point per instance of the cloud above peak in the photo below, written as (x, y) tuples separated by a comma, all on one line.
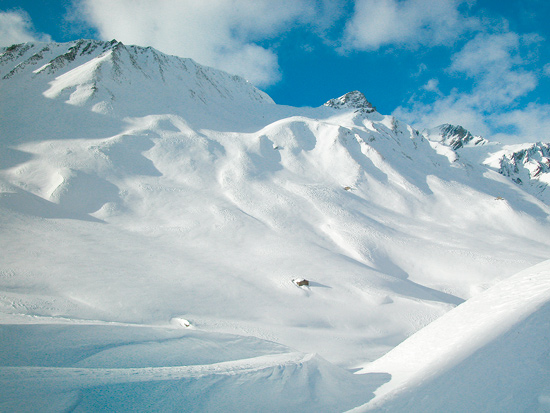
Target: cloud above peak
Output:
[(454, 61), (219, 33), (501, 75), (16, 27), (234, 35)]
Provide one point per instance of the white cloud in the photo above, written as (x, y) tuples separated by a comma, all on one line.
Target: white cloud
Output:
[(16, 27), (485, 52), (494, 61), (218, 33), (500, 77), (432, 86), (410, 23), (454, 108), (421, 69), (531, 123)]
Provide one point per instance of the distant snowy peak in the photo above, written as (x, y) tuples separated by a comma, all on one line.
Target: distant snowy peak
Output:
[(454, 136), (98, 74), (525, 164), (352, 100)]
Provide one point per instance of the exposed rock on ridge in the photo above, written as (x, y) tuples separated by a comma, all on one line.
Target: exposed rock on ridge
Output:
[(454, 136), (352, 100), (528, 165)]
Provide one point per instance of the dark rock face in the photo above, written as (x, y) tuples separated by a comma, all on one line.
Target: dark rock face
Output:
[(352, 100), (535, 160), (457, 137)]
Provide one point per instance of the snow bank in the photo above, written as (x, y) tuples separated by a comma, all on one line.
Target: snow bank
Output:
[(488, 354)]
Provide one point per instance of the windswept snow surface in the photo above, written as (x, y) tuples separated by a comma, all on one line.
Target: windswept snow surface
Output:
[(143, 195), (78, 367), (490, 354)]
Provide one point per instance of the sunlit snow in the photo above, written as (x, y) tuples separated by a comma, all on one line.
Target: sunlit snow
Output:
[(156, 215)]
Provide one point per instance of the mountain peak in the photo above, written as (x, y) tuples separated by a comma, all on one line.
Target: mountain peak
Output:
[(528, 165), (110, 77), (352, 100), (454, 136)]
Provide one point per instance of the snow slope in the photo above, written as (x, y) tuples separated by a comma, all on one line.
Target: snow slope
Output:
[(141, 190), (489, 354)]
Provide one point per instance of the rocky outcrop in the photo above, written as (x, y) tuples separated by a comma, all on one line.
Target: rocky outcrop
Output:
[(352, 100), (454, 136)]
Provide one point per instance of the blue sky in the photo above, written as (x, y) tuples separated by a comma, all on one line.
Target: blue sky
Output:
[(483, 64)]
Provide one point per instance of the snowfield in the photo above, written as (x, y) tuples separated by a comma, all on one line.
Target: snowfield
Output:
[(154, 214)]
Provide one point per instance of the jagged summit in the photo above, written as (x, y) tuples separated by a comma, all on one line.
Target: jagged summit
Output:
[(528, 165), (533, 158), (454, 136), (352, 100)]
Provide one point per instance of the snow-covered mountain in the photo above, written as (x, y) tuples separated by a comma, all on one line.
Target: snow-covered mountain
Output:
[(528, 165), (111, 79), (155, 213), (454, 136)]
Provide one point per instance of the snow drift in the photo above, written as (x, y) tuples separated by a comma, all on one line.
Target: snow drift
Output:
[(53, 367)]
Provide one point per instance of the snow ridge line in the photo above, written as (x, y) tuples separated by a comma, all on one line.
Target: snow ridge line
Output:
[(105, 376)]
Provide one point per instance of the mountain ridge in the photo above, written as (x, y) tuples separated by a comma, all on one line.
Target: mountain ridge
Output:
[(97, 49), (118, 81)]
